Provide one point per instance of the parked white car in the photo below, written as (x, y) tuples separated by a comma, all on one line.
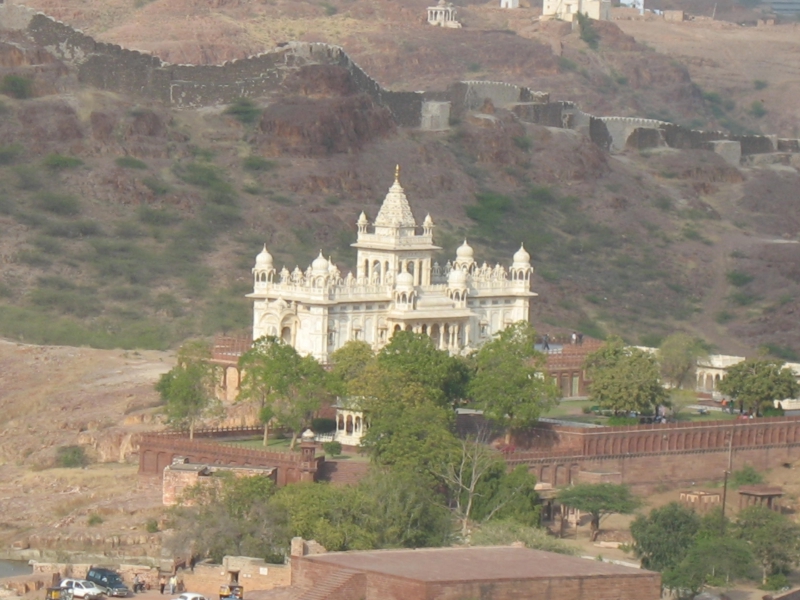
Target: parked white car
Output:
[(191, 596), (81, 588)]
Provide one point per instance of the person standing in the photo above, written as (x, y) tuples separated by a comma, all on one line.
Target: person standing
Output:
[(173, 583), (162, 583)]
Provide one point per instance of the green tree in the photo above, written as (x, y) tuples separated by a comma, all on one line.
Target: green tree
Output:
[(408, 428), (677, 356), (412, 437), (276, 377), (348, 363), (756, 382), (416, 356), (509, 383), (715, 559), (232, 515), (599, 499), (505, 495), (187, 390), (773, 539), (624, 378), (663, 538), (387, 509)]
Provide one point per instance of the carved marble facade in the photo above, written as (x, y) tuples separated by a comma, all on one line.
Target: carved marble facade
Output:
[(397, 286)]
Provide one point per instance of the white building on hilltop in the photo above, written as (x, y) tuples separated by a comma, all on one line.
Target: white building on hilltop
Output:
[(443, 15), (397, 286), (599, 10)]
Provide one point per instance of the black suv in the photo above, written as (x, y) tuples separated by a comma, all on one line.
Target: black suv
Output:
[(108, 580)]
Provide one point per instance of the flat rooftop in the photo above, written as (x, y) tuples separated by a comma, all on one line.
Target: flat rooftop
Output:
[(474, 564)]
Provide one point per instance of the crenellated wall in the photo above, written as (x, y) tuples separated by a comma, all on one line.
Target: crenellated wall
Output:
[(646, 456), (111, 67)]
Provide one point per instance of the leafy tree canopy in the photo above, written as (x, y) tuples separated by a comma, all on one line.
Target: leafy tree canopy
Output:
[(416, 356), (663, 538), (599, 499), (187, 389), (624, 378), (717, 559), (509, 384), (233, 517), (349, 363), (276, 377), (504, 533), (678, 356), (773, 539), (756, 382)]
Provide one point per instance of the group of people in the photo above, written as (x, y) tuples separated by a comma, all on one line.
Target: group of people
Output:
[(576, 339), (171, 583)]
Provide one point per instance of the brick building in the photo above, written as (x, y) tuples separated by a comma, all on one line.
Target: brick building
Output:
[(489, 573)]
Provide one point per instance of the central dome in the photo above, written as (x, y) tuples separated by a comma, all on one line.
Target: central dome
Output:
[(320, 265)]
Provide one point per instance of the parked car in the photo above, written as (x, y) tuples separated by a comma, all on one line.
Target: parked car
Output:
[(108, 580), (191, 596), (80, 588)]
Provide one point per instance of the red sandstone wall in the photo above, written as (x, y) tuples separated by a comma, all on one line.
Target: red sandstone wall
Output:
[(644, 586), (157, 451)]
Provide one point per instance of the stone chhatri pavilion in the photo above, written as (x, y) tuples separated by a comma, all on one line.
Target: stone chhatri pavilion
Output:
[(397, 287)]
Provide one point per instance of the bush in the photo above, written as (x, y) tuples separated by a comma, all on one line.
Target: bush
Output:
[(258, 163), (757, 109), (8, 154), (17, 87), (158, 187), (94, 519), (71, 457), (151, 526), (738, 279), (59, 162), (321, 425), (723, 317), (617, 421), (58, 204), (746, 476), (775, 582), (157, 216), (332, 448), (565, 64), (129, 162), (244, 110), (73, 229), (760, 84), (588, 33)]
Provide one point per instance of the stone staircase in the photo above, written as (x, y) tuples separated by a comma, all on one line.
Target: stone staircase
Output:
[(339, 586)]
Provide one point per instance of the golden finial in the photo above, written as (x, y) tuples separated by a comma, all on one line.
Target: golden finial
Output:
[(397, 173)]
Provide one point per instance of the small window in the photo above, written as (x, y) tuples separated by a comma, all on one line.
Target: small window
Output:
[(369, 306)]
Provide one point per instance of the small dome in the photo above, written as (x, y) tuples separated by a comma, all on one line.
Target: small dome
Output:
[(308, 436), (457, 277), (405, 280), (362, 219), (522, 256), (264, 259), (320, 265), (428, 222), (465, 252)]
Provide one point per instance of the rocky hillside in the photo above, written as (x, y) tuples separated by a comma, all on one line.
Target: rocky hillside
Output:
[(125, 223)]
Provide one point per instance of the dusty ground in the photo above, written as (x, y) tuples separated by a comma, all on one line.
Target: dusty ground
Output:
[(58, 396)]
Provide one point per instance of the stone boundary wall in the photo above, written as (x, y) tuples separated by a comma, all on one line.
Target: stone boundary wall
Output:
[(157, 451)]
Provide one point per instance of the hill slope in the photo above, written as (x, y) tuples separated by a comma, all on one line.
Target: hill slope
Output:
[(128, 224)]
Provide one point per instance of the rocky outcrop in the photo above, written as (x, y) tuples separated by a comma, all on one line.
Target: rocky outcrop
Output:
[(302, 127)]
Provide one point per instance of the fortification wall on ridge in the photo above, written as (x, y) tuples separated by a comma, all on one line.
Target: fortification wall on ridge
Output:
[(111, 67)]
